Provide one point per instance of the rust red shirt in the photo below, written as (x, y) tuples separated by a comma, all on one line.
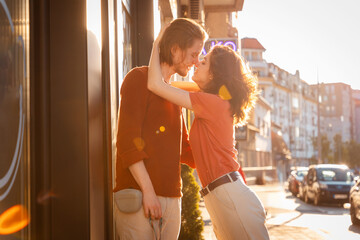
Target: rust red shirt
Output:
[(149, 129)]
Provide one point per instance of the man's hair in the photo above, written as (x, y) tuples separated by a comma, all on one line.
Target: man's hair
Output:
[(181, 32)]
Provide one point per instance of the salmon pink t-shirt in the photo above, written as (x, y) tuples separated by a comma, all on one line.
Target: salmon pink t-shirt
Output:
[(212, 137)]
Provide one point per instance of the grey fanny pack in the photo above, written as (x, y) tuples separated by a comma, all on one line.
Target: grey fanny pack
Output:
[(128, 200)]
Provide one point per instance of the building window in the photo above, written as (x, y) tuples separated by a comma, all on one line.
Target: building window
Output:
[(295, 102), (254, 56), (297, 132), (247, 56)]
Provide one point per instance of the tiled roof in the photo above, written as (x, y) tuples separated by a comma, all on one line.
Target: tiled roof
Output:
[(251, 43)]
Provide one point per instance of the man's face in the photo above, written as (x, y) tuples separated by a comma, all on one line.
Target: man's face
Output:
[(184, 60)]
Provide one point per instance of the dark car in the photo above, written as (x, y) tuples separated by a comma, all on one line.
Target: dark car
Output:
[(355, 202), (302, 187), (328, 183), (295, 178)]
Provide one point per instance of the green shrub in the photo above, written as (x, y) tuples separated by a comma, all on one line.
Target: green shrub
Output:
[(192, 224)]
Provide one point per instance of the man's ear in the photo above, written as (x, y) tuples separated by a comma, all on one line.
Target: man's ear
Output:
[(174, 49)]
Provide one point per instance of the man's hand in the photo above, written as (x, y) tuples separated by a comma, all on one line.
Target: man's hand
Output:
[(151, 205)]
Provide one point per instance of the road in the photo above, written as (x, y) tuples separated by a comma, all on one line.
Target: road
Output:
[(290, 218)]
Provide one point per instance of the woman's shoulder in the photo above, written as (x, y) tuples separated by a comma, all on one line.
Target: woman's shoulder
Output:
[(209, 98), (207, 105)]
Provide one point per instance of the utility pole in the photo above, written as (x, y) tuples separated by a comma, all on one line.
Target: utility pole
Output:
[(318, 121)]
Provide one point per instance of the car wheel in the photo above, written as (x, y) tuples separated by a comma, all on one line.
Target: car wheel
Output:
[(354, 220), (301, 195), (317, 199)]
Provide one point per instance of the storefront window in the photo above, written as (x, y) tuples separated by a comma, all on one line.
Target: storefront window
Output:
[(14, 119)]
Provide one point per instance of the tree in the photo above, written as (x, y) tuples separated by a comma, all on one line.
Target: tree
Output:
[(339, 149), (325, 146), (192, 224), (353, 154)]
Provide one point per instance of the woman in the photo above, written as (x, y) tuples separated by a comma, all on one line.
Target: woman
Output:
[(228, 93)]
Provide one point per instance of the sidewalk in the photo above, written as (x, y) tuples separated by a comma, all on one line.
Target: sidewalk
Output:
[(275, 223)]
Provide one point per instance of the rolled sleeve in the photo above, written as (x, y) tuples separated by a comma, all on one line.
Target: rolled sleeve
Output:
[(129, 143)]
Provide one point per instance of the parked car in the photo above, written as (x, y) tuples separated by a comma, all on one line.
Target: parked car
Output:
[(295, 178), (302, 187), (328, 183), (355, 202)]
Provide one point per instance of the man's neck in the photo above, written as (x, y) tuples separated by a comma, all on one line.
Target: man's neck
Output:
[(166, 71)]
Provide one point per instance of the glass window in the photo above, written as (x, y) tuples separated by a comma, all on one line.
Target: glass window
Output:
[(14, 128), (295, 102), (335, 175), (254, 56)]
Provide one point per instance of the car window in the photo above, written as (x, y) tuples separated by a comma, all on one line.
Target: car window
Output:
[(335, 175), (301, 173)]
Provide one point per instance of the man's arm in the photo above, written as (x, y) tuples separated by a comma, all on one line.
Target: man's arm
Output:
[(130, 145)]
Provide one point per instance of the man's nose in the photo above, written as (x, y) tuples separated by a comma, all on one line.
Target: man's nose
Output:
[(196, 62)]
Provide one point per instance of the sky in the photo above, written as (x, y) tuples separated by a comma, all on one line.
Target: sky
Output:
[(320, 38)]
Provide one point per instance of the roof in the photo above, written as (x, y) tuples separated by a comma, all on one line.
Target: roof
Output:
[(251, 43), (339, 166)]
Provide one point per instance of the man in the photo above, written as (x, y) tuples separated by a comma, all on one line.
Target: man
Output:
[(149, 137)]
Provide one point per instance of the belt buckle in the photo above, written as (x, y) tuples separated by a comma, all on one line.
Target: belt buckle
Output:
[(205, 191), (229, 177)]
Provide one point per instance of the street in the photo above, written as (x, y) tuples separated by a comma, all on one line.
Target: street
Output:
[(290, 218)]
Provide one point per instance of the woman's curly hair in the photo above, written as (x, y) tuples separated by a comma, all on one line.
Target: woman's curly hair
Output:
[(229, 70)]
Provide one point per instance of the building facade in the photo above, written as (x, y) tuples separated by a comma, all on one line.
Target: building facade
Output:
[(293, 102), (356, 117), (254, 145), (336, 111)]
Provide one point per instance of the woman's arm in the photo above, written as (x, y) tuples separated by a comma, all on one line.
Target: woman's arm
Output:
[(157, 85)]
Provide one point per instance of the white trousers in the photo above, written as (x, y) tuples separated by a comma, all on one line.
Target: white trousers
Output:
[(136, 226), (236, 212)]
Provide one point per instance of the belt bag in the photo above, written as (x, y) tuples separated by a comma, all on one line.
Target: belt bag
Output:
[(128, 200)]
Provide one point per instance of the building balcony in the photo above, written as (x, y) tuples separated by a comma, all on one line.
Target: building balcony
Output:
[(257, 64)]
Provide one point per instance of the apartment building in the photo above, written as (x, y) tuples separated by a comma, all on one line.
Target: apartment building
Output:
[(356, 116), (254, 144), (293, 101), (336, 110)]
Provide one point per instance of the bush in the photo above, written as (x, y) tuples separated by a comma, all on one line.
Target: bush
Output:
[(192, 224)]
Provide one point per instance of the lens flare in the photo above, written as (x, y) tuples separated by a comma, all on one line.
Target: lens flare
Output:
[(224, 93), (162, 129), (139, 143), (13, 220)]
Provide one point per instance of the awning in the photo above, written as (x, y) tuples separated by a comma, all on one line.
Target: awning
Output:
[(279, 147)]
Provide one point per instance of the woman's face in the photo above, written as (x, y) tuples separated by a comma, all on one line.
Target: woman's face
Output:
[(202, 75)]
